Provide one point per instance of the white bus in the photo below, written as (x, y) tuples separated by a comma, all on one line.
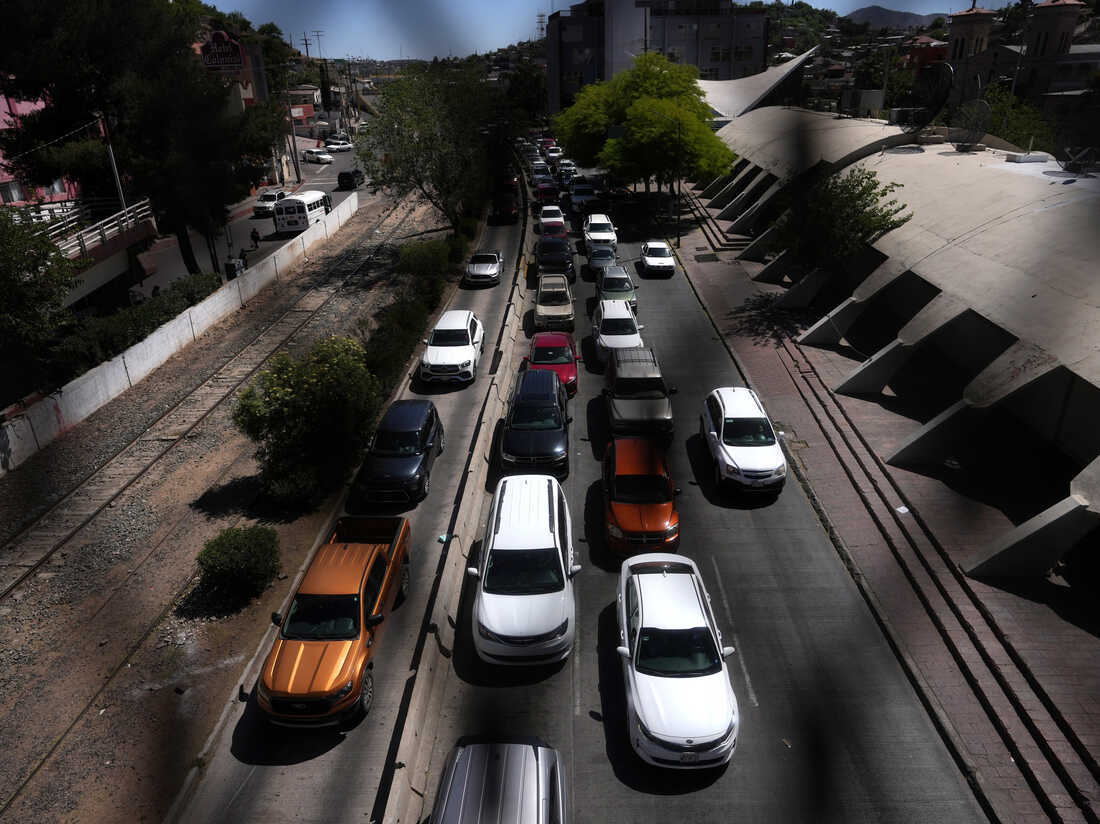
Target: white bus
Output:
[(298, 212)]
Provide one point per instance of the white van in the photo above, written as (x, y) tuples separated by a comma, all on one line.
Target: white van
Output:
[(524, 612), (298, 212)]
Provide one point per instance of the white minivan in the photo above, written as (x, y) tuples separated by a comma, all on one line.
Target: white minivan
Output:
[(524, 612)]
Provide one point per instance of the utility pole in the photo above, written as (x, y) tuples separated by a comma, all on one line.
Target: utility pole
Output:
[(317, 35), (305, 42)]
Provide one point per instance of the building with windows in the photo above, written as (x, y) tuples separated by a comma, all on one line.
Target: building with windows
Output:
[(596, 39), (14, 192)]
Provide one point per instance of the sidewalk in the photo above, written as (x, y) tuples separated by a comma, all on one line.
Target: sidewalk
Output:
[(1011, 679)]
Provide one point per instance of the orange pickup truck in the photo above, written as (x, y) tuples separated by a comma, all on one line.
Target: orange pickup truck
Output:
[(320, 669)]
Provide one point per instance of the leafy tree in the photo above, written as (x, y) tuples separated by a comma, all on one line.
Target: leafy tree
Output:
[(426, 136), (582, 128), (35, 277), (899, 82), (838, 215), (1017, 121), (527, 92), (310, 418)]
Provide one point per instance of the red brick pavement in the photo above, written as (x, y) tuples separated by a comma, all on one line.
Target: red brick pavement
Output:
[(1009, 680)]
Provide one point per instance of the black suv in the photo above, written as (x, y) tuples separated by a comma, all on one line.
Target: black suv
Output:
[(536, 430), (555, 256), (351, 179), (402, 452)]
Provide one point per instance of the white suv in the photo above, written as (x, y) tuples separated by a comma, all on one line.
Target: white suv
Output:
[(454, 348), (681, 710), (741, 440), (524, 612), (599, 229), (614, 327)]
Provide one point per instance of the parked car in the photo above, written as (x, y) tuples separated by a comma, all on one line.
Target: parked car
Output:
[(539, 167), (742, 441), (554, 154), (265, 203), (317, 156), (401, 454), (681, 709), (554, 303), (599, 229), (334, 145), (639, 497), (551, 218), (599, 258), (546, 192), (614, 327), (581, 194), (555, 352), (657, 258), (320, 670), (555, 256), (551, 212), (536, 426), (614, 283), (485, 266), (454, 348), (481, 779), (523, 611), (552, 229), (505, 207), (638, 399), (351, 179)]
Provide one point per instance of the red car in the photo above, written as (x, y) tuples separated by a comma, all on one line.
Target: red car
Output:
[(556, 352), (552, 228)]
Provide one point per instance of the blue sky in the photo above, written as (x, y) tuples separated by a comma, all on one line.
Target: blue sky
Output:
[(387, 29)]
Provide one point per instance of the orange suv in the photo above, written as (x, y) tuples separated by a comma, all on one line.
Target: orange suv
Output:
[(319, 671), (639, 498)]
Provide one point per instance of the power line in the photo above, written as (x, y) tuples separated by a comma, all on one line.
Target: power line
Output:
[(55, 140)]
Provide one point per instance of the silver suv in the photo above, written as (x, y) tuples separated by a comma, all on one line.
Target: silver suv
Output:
[(638, 399)]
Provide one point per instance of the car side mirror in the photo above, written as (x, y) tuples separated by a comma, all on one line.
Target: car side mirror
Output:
[(641, 326), (472, 572), (423, 340), (526, 359), (728, 651), (624, 652), (569, 419), (574, 569), (374, 620), (672, 390), (677, 491), (429, 445), (277, 619)]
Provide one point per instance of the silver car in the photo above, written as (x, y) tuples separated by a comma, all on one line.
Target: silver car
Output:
[(484, 266)]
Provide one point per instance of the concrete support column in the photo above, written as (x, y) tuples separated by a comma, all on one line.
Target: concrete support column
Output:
[(748, 217), (933, 442), (734, 187), (775, 271), (805, 290), (719, 183), (748, 196), (756, 250), (831, 328), (876, 372), (1039, 543)]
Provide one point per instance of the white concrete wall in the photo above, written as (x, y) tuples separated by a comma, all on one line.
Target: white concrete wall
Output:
[(40, 423)]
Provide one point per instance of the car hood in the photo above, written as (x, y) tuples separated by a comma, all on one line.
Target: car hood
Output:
[(567, 372), (555, 258), (534, 443), (643, 517), (600, 237), (619, 341), (443, 355), (640, 409), (656, 262), (565, 311), (755, 458), (483, 268), (383, 467), (304, 667), (524, 615), (700, 708)]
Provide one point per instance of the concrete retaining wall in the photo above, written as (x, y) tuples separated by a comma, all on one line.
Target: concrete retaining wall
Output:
[(25, 434)]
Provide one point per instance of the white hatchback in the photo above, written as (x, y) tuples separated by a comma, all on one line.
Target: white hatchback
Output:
[(454, 347), (741, 440), (614, 327), (681, 709), (657, 258), (524, 611)]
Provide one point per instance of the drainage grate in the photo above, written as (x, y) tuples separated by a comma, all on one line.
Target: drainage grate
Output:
[(708, 258)]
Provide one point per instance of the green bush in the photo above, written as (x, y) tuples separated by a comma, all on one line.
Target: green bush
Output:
[(456, 245), (239, 562), (424, 258), (310, 418)]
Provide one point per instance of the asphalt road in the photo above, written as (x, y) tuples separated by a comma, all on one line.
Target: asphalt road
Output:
[(264, 774), (831, 728)]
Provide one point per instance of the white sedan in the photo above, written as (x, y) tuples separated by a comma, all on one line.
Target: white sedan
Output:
[(681, 709), (339, 146), (657, 258)]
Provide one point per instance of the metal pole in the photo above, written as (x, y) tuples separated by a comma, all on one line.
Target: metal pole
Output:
[(679, 182)]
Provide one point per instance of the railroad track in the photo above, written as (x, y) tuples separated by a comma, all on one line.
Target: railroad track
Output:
[(1055, 763), (26, 552)]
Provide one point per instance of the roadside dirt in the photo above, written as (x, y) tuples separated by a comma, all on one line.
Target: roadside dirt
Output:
[(107, 690)]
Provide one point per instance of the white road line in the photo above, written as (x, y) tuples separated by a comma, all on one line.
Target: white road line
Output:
[(575, 656), (251, 773), (736, 639)]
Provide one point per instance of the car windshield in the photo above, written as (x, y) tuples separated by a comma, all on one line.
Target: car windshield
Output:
[(554, 297), (551, 214), (552, 354), (600, 227), (450, 337), (601, 253), (641, 489), (389, 442), (535, 417), (747, 432), (618, 326), (640, 388), (322, 618), (268, 198), (523, 572), (482, 259), (677, 653), (617, 285), (659, 251)]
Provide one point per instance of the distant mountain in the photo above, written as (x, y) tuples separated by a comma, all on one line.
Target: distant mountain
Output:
[(881, 18)]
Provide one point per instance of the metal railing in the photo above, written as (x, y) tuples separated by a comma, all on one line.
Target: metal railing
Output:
[(74, 237)]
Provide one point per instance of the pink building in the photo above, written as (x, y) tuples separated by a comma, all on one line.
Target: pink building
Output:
[(12, 191)]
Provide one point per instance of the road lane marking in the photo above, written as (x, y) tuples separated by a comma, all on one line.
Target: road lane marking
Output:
[(248, 777), (736, 639)]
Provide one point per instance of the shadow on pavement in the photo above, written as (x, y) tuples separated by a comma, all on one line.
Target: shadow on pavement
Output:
[(245, 496), (599, 433), (588, 354), (595, 536), (256, 741), (762, 320)]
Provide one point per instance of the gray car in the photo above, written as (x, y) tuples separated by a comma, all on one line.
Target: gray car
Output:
[(638, 399), (614, 283), (484, 266), (599, 258)]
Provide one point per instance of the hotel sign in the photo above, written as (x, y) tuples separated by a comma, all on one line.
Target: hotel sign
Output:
[(222, 52)]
